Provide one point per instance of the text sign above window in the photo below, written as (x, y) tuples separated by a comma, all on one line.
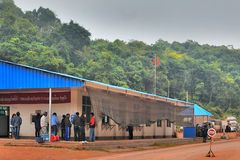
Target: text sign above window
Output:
[(34, 98)]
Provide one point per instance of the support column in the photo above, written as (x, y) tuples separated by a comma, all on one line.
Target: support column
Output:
[(49, 113), (154, 129), (164, 128)]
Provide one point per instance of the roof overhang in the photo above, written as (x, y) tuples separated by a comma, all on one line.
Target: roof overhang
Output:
[(130, 92)]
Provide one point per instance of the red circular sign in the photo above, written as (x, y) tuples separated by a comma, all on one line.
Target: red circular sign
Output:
[(211, 132)]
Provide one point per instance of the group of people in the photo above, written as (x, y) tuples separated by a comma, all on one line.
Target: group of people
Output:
[(78, 122), (16, 122), (201, 131)]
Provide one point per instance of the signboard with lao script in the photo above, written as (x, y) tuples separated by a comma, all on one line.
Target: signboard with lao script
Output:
[(34, 98)]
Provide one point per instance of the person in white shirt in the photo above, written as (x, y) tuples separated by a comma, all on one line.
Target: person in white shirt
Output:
[(44, 123)]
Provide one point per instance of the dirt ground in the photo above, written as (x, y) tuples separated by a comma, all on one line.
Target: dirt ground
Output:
[(40, 153), (224, 150)]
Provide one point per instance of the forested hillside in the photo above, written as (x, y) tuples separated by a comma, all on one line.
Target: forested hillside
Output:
[(210, 74)]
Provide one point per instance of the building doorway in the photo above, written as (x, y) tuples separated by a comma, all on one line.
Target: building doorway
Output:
[(86, 106), (4, 121)]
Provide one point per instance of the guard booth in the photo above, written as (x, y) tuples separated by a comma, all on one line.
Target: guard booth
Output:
[(4, 121)]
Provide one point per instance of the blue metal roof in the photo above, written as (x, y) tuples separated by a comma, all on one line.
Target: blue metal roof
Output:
[(16, 76), (199, 111)]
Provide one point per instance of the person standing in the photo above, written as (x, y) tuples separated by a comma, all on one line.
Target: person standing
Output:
[(228, 128), (72, 116), (37, 125), (82, 127), (54, 122), (204, 132), (92, 124), (12, 125), (130, 131), (17, 124), (76, 123), (63, 127), (44, 123), (67, 125)]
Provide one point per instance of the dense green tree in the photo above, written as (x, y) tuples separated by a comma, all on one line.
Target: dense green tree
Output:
[(76, 35)]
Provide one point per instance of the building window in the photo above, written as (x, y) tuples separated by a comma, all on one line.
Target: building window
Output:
[(148, 124), (86, 106), (38, 111), (4, 111), (187, 120), (168, 123), (33, 117), (105, 120), (159, 123)]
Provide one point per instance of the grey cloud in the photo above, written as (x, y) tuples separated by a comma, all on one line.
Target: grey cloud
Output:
[(206, 21)]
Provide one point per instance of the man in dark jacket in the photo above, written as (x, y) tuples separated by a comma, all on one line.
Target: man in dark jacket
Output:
[(130, 131), (63, 126), (76, 123), (82, 127), (228, 128), (67, 124), (204, 132), (37, 125), (17, 124), (12, 125)]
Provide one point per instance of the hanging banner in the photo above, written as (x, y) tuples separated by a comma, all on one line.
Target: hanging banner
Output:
[(34, 98)]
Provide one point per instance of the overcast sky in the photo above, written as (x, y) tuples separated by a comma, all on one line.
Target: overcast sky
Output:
[(214, 22)]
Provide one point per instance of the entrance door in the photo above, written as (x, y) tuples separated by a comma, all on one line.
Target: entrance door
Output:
[(4, 121)]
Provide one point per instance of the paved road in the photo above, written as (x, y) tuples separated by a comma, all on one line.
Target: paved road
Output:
[(224, 150)]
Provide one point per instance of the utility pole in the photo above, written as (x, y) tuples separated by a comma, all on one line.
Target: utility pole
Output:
[(168, 92), (185, 80), (155, 74), (156, 62)]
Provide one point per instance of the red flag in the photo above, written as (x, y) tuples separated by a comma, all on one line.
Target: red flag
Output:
[(156, 61)]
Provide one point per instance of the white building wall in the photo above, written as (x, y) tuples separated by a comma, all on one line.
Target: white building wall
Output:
[(112, 131), (26, 110)]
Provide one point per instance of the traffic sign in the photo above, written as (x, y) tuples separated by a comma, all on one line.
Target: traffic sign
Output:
[(211, 132)]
